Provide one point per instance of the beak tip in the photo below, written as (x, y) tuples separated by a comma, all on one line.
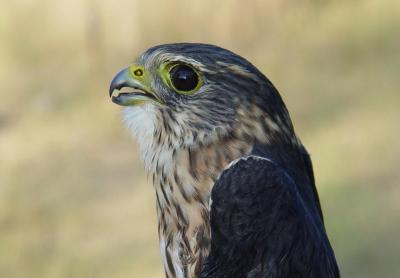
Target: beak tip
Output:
[(111, 90), (120, 80)]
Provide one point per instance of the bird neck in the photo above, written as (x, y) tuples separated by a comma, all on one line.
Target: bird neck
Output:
[(183, 180), (184, 167)]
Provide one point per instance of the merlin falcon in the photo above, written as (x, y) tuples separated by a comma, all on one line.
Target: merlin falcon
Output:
[(235, 190)]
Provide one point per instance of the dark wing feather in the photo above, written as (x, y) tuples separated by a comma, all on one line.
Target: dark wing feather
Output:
[(310, 173), (261, 227)]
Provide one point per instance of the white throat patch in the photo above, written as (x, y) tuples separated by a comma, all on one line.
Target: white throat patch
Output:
[(141, 121)]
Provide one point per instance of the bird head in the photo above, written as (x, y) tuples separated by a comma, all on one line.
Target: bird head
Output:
[(190, 94)]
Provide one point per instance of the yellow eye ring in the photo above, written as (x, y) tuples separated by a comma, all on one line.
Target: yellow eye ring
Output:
[(182, 78)]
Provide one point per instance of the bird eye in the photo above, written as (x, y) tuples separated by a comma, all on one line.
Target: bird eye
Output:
[(184, 78)]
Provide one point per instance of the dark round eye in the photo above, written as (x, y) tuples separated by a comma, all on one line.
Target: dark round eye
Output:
[(184, 78)]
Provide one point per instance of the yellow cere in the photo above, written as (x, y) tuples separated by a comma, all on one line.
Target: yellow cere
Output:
[(136, 72)]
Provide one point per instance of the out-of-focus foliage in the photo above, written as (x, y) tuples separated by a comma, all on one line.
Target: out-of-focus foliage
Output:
[(74, 200)]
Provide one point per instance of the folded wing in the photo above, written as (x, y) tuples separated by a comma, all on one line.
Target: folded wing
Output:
[(261, 227)]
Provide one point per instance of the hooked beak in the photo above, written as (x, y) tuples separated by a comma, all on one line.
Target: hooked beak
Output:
[(128, 78)]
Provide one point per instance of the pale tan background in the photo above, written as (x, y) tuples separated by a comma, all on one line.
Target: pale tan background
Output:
[(74, 200)]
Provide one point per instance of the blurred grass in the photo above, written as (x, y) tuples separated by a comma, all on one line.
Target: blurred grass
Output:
[(74, 200)]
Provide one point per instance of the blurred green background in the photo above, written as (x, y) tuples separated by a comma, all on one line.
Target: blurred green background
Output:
[(74, 198)]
